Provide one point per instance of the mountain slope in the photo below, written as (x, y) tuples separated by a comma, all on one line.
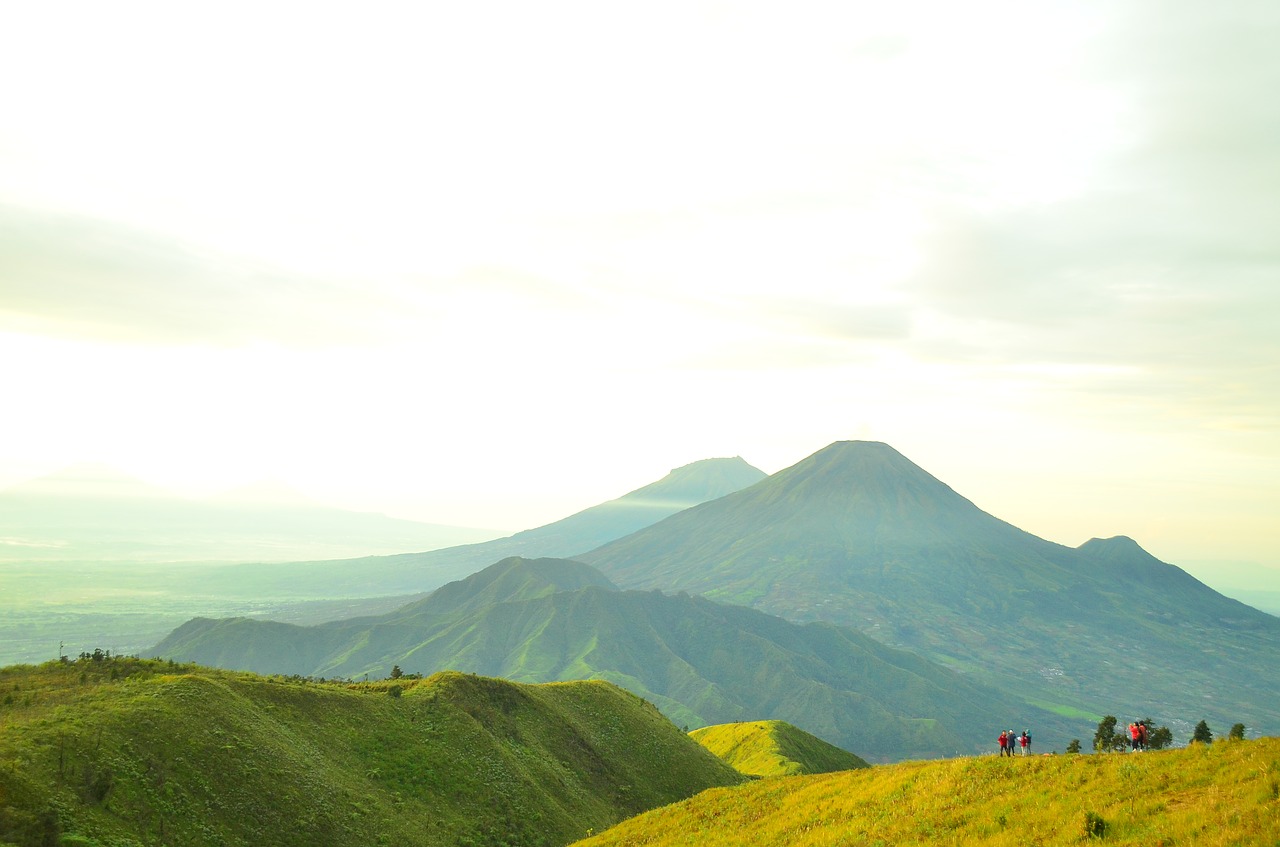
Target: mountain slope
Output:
[(858, 535), (702, 662), (1219, 794), (774, 748), (128, 752), (410, 573)]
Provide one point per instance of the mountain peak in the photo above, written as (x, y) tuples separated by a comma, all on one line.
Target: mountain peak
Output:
[(694, 483), (513, 578), (868, 480)]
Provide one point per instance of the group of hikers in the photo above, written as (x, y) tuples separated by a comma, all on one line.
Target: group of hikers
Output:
[(1137, 737), (1010, 742)]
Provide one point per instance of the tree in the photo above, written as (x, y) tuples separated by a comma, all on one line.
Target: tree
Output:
[(1236, 733), (396, 673), (1105, 738), (1202, 733), (1159, 739), (1074, 746)]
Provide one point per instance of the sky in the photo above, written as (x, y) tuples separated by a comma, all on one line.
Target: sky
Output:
[(488, 264)]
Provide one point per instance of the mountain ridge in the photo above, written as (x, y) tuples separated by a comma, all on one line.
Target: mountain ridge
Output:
[(858, 535), (700, 661), (409, 573)]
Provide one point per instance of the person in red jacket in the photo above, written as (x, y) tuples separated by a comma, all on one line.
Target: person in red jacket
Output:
[(1004, 742)]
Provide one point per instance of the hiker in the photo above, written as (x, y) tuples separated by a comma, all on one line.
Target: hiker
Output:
[(1004, 742), (1013, 742), (1134, 732), (1142, 736), (1025, 741)]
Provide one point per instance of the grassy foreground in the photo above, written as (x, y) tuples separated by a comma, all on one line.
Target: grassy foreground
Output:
[(774, 748), (1227, 793), (126, 752)]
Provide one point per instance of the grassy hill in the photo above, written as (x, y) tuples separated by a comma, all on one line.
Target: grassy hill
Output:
[(774, 748), (700, 661), (130, 752), (1220, 794), (858, 535)]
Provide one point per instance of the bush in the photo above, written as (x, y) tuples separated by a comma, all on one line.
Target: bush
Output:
[(1074, 746), (1094, 826), (1236, 733)]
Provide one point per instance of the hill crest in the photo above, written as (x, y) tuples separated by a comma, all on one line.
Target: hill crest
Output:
[(774, 748), (149, 752)]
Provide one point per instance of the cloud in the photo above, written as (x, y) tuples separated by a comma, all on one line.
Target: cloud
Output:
[(1165, 266), (80, 277)]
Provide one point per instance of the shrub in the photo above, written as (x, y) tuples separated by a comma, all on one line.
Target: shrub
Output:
[(1094, 826)]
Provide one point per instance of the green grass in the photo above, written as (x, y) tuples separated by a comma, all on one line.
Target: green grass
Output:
[(1227, 793), (131, 752), (774, 748), (1065, 710)]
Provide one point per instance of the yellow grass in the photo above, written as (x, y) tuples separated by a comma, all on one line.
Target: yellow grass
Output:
[(1221, 794)]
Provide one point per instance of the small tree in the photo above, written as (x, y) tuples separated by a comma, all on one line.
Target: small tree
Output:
[(1202, 733), (1074, 746), (1236, 733), (1159, 739), (396, 673), (1105, 738)]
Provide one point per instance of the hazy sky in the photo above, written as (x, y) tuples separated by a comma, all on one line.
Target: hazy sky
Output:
[(491, 263)]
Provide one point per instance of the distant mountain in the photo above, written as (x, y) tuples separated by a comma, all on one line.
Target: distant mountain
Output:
[(410, 573), (701, 662), (774, 748), (122, 751), (96, 513), (858, 535)]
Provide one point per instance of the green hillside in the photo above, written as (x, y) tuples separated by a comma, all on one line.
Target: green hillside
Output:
[(130, 752), (1220, 794), (701, 662), (774, 748), (858, 535)]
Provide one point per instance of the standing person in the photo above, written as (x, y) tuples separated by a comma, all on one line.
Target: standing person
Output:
[(1004, 742), (1025, 740), (1013, 743), (1134, 732), (1142, 736)]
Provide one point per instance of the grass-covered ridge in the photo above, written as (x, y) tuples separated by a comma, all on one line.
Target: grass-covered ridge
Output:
[(122, 752), (1218, 794), (774, 748)]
